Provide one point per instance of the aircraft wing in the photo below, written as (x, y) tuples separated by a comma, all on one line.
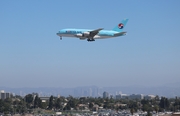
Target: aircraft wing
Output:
[(94, 32)]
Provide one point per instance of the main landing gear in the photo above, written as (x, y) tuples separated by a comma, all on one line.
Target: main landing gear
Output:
[(60, 38), (90, 40)]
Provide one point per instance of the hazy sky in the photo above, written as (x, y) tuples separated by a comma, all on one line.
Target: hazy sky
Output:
[(31, 54)]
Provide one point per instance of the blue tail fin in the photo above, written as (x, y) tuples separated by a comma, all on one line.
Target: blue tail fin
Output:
[(120, 26)]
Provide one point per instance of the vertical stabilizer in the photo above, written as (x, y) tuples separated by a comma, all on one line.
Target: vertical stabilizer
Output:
[(120, 26)]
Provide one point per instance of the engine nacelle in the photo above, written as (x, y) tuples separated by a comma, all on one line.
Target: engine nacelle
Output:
[(86, 33), (79, 35)]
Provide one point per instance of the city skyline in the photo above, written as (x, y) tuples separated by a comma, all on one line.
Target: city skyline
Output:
[(95, 91)]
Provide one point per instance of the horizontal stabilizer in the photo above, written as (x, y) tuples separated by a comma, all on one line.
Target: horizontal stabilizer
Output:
[(120, 34)]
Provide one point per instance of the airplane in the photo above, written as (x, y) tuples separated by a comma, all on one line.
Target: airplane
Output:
[(91, 35)]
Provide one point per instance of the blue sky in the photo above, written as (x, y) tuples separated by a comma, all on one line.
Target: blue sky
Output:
[(31, 54)]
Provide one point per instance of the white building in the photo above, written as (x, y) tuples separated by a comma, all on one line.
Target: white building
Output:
[(4, 95), (44, 99)]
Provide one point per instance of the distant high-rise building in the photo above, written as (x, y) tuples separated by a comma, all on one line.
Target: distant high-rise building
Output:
[(122, 96), (75, 92), (118, 92), (58, 96), (85, 93), (20, 93), (90, 92), (149, 97), (8, 95), (4, 95), (105, 95), (111, 96), (95, 92), (136, 96), (100, 92)]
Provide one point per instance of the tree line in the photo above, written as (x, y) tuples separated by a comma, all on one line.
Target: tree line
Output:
[(18, 104)]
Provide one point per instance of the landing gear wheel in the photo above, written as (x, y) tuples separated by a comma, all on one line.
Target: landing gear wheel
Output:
[(90, 40)]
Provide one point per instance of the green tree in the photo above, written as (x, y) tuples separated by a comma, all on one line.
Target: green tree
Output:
[(43, 105), (157, 98), (143, 102), (117, 108), (176, 104), (82, 100), (90, 105), (37, 102), (21, 107), (67, 107), (148, 113), (132, 111), (107, 104), (5, 105), (58, 103), (132, 104), (164, 103), (145, 107), (51, 102), (156, 108), (71, 103), (29, 98), (1, 105)]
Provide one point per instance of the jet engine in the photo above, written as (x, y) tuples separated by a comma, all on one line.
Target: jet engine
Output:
[(86, 33), (79, 35)]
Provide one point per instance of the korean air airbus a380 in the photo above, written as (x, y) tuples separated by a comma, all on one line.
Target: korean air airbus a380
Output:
[(91, 35)]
